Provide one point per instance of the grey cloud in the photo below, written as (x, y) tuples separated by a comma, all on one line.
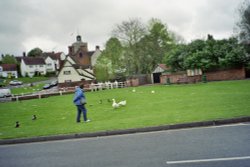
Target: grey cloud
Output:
[(55, 21)]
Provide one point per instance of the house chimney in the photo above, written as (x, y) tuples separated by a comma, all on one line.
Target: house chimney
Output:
[(97, 47), (70, 50), (24, 54)]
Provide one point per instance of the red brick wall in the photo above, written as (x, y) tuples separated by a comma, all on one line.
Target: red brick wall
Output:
[(173, 78), (233, 74), (132, 82)]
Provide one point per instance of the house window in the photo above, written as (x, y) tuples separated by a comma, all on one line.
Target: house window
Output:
[(80, 54), (30, 66), (194, 72), (66, 72), (41, 66), (49, 64)]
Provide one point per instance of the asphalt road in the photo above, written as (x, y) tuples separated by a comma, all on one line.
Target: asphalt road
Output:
[(223, 146)]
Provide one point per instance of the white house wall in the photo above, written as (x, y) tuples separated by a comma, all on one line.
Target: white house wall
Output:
[(50, 64), (62, 56), (73, 76), (31, 70), (23, 68), (94, 57)]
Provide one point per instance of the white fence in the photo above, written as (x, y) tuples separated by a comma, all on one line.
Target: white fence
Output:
[(106, 85)]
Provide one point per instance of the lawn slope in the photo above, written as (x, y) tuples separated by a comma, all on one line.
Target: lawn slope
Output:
[(168, 105)]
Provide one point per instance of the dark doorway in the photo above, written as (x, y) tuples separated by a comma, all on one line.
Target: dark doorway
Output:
[(247, 72), (156, 77)]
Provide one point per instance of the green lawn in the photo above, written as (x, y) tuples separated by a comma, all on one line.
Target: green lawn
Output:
[(168, 105), (23, 79), (26, 89), (33, 79)]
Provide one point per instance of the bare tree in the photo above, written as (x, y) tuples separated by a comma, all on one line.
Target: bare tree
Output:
[(129, 32), (244, 22)]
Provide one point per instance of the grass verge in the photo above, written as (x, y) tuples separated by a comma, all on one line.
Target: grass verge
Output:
[(168, 105)]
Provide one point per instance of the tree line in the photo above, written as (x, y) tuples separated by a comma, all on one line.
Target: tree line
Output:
[(136, 48)]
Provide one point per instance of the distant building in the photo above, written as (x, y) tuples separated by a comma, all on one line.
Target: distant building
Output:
[(158, 70), (31, 66), (79, 52), (54, 61), (73, 74), (8, 71), (78, 64)]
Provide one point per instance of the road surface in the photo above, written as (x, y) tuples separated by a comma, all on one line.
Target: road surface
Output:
[(223, 146)]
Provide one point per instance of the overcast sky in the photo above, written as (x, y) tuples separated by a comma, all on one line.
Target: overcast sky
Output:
[(52, 25)]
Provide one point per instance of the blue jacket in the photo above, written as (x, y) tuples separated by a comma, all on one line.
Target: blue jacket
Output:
[(79, 94)]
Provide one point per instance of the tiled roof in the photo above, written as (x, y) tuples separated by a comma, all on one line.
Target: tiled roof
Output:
[(163, 66), (54, 56), (9, 67), (34, 61), (77, 66), (91, 53)]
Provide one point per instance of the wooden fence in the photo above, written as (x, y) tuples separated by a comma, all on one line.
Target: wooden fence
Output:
[(106, 85)]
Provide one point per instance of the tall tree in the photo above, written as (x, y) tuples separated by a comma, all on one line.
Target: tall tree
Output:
[(160, 40), (244, 24), (130, 33), (36, 52), (9, 59), (102, 69), (154, 45), (114, 52), (175, 58)]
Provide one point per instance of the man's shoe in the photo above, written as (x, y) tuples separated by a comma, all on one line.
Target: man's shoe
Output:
[(87, 120)]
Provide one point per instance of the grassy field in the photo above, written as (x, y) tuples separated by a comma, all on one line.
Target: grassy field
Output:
[(5, 81), (168, 105), (27, 89)]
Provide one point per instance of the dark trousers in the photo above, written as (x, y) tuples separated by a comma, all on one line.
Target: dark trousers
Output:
[(81, 109)]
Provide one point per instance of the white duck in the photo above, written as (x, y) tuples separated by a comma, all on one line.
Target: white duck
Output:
[(115, 105), (122, 103)]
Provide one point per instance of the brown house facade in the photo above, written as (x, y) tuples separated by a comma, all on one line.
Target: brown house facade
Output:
[(79, 52)]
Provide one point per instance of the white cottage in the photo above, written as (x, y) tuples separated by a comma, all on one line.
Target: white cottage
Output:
[(77, 67), (73, 73), (31, 66)]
